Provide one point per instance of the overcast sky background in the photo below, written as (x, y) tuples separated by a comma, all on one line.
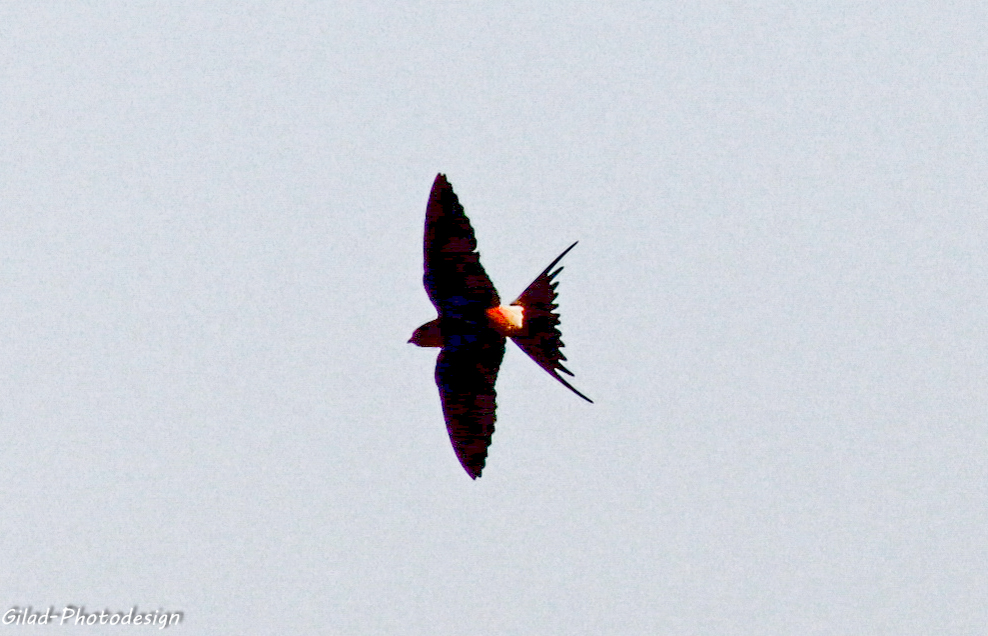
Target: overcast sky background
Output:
[(210, 265)]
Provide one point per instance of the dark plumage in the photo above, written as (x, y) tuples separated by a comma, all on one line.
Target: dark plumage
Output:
[(472, 326)]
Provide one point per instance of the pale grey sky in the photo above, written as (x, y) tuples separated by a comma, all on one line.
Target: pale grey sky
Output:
[(210, 263)]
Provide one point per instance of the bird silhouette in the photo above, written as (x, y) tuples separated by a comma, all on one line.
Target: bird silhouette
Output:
[(473, 324)]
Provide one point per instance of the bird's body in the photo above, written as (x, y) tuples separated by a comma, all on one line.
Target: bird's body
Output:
[(507, 320), (473, 324)]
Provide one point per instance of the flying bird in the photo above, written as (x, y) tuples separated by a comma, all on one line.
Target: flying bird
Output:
[(473, 324)]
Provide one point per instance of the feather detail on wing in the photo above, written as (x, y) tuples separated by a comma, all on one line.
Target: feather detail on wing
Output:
[(542, 339), (466, 372), (454, 278)]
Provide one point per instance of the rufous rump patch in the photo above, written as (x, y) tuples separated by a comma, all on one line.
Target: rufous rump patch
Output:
[(508, 320)]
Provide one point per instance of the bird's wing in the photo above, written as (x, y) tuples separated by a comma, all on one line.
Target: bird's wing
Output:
[(465, 374), (542, 339), (454, 278)]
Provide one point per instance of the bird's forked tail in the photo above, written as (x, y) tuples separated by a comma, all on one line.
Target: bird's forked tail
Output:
[(540, 337)]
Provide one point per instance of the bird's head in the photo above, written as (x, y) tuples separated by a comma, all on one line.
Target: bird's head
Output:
[(428, 335)]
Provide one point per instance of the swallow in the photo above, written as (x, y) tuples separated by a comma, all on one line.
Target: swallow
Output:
[(473, 325)]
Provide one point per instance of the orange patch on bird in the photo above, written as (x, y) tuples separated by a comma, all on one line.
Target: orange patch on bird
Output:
[(507, 320)]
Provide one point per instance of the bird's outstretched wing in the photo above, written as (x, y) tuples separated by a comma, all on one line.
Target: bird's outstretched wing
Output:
[(542, 340), (454, 278), (465, 374)]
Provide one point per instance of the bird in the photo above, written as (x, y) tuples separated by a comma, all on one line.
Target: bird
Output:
[(473, 325)]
